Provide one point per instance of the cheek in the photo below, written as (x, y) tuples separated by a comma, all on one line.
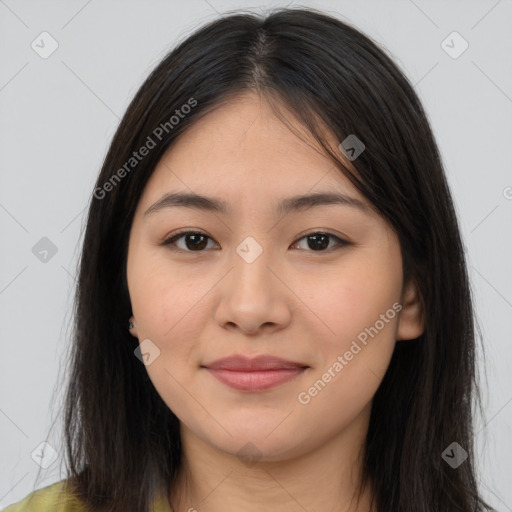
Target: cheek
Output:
[(160, 304), (165, 300), (358, 332), (351, 298), (353, 361)]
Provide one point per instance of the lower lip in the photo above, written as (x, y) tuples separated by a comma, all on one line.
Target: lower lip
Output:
[(255, 380)]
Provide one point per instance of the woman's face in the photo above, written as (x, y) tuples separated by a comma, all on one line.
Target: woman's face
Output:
[(254, 284)]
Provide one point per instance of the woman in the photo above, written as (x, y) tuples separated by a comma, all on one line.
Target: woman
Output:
[(261, 311)]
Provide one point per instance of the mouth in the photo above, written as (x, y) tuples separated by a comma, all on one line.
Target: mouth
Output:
[(256, 374)]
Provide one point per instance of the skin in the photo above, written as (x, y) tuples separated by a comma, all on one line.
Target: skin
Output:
[(292, 301)]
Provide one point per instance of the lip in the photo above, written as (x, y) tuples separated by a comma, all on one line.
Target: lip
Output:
[(255, 380), (251, 364), (254, 374)]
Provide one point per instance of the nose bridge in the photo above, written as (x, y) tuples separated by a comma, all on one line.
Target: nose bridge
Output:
[(251, 260)]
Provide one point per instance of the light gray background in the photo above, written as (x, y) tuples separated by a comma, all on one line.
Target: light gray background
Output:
[(58, 115)]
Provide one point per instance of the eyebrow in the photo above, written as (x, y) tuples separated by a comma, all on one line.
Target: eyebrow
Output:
[(289, 204)]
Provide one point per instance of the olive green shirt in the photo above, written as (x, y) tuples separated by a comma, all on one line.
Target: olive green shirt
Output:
[(54, 498)]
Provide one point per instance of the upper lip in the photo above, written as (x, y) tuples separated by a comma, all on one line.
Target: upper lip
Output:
[(247, 364)]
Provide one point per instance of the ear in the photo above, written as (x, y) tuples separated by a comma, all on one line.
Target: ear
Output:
[(411, 323), (133, 331)]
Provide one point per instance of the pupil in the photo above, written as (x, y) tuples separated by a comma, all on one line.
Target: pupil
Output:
[(195, 240), (318, 244)]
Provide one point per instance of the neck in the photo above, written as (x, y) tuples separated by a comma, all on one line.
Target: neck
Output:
[(326, 478)]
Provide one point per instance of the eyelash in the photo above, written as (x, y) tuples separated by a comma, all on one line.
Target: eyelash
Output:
[(171, 241)]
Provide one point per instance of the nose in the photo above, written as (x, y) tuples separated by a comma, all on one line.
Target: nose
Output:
[(253, 297)]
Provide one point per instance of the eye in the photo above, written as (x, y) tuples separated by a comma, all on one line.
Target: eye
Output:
[(319, 241), (196, 241)]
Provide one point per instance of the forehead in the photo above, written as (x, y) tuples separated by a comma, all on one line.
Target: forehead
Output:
[(242, 149)]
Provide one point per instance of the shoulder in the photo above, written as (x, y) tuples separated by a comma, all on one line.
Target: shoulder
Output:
[(56, 498), (52, 498)]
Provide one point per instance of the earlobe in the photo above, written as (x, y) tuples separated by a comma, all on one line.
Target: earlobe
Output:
[(132, 328), (411, 323)]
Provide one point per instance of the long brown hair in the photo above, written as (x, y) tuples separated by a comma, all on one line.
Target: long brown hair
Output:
[(122, 441)]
